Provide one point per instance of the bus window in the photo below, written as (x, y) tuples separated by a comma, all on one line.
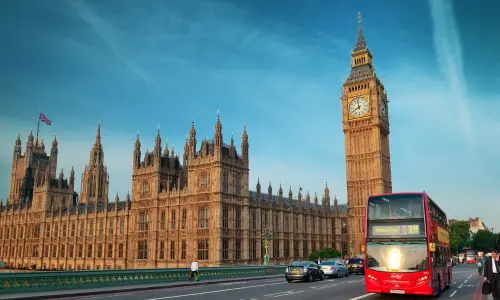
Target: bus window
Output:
[(409, 206)]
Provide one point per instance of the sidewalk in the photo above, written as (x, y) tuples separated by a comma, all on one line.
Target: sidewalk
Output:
[(122, 288)]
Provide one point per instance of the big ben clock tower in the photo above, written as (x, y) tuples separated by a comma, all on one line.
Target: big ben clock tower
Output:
[(365, 121)]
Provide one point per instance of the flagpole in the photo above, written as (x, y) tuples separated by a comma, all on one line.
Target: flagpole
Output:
[(38, 125)]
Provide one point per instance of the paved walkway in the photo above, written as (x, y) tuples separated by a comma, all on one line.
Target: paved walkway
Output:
[(123, 288)]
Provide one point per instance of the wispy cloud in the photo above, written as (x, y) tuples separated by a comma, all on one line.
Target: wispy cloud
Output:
[(449, 54), (107, 34)]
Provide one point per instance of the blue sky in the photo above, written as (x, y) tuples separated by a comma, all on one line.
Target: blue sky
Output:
[(276, 66)]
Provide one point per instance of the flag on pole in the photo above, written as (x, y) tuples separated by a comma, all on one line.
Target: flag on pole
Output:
[(44, 119)]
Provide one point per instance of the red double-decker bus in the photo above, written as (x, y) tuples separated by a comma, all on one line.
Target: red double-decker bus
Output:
[(470, 256), (407, 245)]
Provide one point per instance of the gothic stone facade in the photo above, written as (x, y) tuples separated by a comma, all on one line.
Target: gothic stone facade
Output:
[(365, 121), (201, 209)]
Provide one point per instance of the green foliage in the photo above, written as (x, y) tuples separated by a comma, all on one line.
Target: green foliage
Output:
[(483, 240), (460, 236), (324, 254), (496, 241)]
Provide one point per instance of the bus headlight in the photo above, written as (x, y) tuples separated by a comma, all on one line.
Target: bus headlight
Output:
[(394, 259)]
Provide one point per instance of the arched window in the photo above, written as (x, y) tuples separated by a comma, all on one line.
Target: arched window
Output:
[(145, 186), (204, 180), (225, 182)]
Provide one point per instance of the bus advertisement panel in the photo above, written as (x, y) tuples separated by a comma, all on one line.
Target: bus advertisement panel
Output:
[(407, 247)]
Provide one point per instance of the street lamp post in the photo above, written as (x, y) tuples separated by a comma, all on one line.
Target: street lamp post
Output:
[(266, 237)]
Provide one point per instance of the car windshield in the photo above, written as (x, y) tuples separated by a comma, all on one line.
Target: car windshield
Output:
[(397, 206), (397, 256), (328, 263), (298, 264), (357, 261)]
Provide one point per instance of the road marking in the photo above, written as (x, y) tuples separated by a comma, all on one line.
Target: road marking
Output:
[(466, 281), (278, 293), (217, 291), (362, 296), (233, 283), (460, 286), (323, 286), (288, 293), (453, 294)]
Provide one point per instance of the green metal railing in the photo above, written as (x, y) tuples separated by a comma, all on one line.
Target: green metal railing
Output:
[(25, 282)]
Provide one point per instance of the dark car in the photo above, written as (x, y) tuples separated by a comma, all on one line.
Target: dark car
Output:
[(356, 265), (303, 271)]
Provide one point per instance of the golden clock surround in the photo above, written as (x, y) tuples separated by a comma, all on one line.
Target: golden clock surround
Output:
[(353, 96)]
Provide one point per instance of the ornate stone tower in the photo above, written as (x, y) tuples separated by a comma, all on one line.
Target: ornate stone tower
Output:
[(95, 178), (366, 134)]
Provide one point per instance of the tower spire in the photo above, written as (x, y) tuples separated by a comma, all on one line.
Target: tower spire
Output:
[(360, 43)]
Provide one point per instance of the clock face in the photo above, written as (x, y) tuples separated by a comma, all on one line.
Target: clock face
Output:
[(358, 107), (383, 109)]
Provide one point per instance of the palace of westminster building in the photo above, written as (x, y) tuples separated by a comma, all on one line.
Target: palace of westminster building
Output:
[(194, 205)]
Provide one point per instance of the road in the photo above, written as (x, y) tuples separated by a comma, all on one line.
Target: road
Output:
[(465, 287)]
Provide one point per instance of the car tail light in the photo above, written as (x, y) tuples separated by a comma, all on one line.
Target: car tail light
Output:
[(332, 268), (305, 270)]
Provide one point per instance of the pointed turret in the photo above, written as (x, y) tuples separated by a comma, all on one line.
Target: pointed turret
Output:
[(166, 152), (244, 144), (258, 187), (158, 141), (127, 200), (137, 153), (218, 133), (270, 190), (192, 140), (97, 153), (72, 177), (53, 157), (360, 43), (17, 146)]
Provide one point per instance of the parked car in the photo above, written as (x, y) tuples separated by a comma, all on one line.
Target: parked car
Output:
[(356, 265), (303, 271), (334, 268)]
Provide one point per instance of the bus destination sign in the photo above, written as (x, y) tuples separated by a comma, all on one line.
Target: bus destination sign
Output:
[(396, 230)]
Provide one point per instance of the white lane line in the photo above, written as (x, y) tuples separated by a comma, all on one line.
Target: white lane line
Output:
[(453, 294), (362, 296), (466, 281), (323, 286), (278, 293), (460, 286), (288, 293), (217, 291), (233, 283)]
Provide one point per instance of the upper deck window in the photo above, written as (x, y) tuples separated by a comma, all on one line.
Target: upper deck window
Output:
[(397, 206)]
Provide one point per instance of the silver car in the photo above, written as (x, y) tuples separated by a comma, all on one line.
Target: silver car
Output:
[(334, 268)]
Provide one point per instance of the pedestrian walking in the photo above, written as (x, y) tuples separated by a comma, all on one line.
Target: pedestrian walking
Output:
[(194, 270), (492, 273)]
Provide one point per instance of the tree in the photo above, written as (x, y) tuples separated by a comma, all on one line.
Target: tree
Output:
[(460, 235), (483, 240), (496, 241), (324, 254)]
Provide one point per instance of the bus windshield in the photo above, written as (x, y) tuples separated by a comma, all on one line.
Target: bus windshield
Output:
[(396, 206), (397, 256)]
